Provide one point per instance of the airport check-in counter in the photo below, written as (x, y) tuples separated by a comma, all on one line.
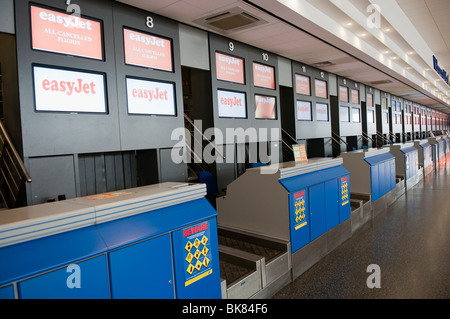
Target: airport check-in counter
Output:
[(372, 172), (425, 156), (447, 148), (406, 164), (439, 155), (157, 241), (305, 204)]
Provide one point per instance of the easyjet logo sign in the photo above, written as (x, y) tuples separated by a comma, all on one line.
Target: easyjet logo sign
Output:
[(68, 91), (58, 32), (150, 97)]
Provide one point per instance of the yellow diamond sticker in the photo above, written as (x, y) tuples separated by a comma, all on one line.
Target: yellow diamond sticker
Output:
[(196, 243), (197, 254), (205, 251), (204, 240), (190, 269), (205, 262), (188, 246), (189, 257), (198, 265)]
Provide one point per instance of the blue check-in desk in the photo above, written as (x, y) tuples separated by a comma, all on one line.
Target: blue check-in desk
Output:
[(446, 139), (307, 204), (406, 163), (157, 241), (372, 172), (425, 152), (439, 151)]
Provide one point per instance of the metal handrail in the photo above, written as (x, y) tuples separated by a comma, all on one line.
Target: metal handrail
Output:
[(286, 133), (203, 136), (367, 137), (17, 158), (340, 139), (287, 145)]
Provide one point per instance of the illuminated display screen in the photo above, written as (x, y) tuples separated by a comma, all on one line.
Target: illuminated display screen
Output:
[(58, 32), (61, 90), (304, 111), (302, 85), (263, 76), (265, 107), (231, 104), (146, 50), (230, 68), (150, 97)]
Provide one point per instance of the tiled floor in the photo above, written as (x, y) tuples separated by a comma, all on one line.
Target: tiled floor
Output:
[(409, 241)]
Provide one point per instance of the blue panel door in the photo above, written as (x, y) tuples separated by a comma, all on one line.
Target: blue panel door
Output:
[(392, 176), (91, 275), (7, 292), (317, 210), (299, 219), (143, 270), (374, 182), (332, 192), (382, 179)]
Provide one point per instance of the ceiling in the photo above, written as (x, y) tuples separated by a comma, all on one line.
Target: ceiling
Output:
[(333, 35)]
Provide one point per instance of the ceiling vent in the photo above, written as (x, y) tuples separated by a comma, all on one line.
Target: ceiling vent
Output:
[(230, 20), (323, 64), (380, 82)]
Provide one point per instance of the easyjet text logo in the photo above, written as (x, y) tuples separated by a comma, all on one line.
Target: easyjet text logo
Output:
[(151, 95), (65, 20), (229, 60), (231, 101), (69, 87)]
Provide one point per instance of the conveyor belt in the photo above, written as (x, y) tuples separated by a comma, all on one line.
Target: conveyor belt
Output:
[(232, 272), (268, 253)]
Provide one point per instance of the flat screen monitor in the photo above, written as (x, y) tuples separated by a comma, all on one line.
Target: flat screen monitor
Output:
[(369, 99), (322, 112), (385, 117), (344, 114), (231, 104), (63, 90), (356, 115), (58, 32), (304, 112), (147, 50), (230, 68), (265, 107), (370, 116), (355, 96), (149, 97), (343, 94), (302, 84), (263, 76), (321, 89)]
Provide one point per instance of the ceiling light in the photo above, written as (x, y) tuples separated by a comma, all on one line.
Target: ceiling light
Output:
[(394, 58), (411, 52), (363, 34), (387, 29), (349, 24), (387, 52)]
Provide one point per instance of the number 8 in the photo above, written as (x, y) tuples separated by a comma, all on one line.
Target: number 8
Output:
[(149, 22)]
